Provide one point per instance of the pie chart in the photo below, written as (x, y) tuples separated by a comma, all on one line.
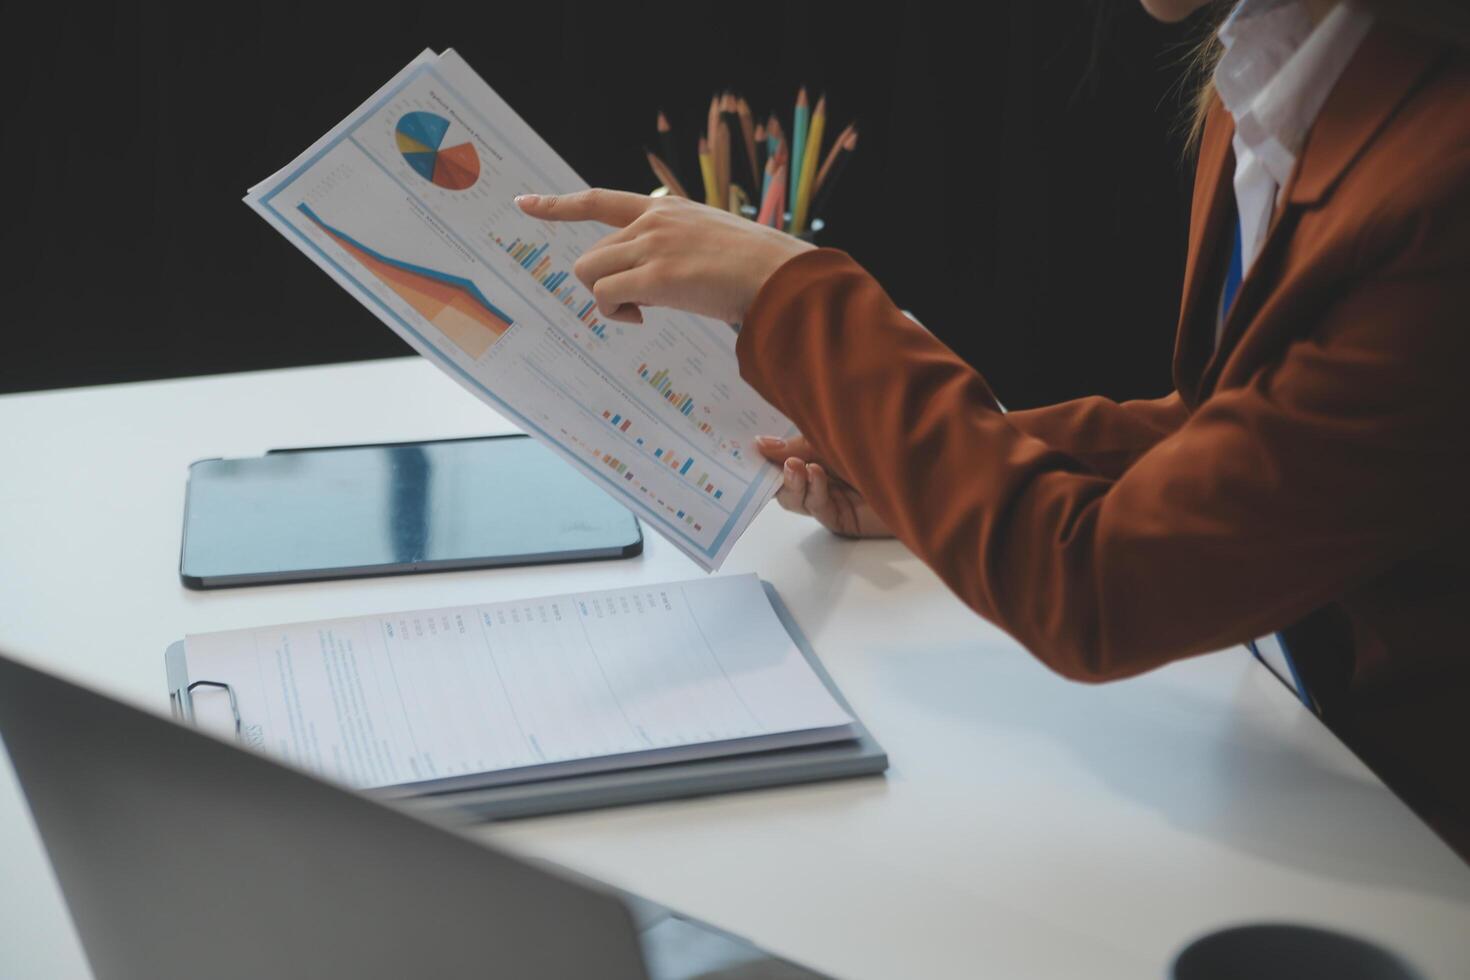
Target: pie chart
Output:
[(420, 140)]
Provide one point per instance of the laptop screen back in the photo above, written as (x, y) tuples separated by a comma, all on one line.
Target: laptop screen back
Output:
[(182, 856)]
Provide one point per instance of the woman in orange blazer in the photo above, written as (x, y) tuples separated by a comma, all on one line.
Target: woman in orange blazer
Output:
[(1308, 475)]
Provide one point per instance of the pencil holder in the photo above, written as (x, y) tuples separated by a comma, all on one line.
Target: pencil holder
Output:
[(778, 176), (807, 234)]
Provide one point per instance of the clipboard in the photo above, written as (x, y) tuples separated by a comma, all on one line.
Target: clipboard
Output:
[(858, 756)]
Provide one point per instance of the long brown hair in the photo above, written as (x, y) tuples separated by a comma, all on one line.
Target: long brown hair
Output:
[(1446, 20)]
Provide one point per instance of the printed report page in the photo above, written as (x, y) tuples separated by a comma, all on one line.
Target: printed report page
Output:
[(409, 204)]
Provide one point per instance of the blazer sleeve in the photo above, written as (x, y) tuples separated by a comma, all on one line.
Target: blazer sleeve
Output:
[(1272, 498), (1104, 435)]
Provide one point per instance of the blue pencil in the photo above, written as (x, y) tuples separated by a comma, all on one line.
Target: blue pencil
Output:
[(798, 146)]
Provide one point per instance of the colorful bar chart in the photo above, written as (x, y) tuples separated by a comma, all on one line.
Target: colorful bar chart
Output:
[(453, 304), (620, 467), (683, 465), (659, 382), (533, 258)]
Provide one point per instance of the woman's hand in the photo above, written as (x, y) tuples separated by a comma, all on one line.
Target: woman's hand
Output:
[(808, 488), (675, 253), (668, 251)]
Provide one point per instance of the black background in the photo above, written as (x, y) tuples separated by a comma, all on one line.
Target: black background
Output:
[(1021, 192)]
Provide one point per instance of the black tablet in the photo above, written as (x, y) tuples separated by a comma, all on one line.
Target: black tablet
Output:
[(347, 511)]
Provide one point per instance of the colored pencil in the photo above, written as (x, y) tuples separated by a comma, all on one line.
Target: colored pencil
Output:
[(721, 153), (668, 149), (707, 171), (725, 161), (712, 134), (778, 193), (832, 155), (768, 199), (738, 199), (666, 176), (808, 162), (774, 134), (849, 144), (739, 169), (765, 179), (798, 143), (776, 163), (783, 178), (778, 185), (747, 130)]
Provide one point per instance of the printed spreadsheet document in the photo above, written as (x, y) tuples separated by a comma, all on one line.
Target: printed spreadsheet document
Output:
[(504, 692), (408, 204)]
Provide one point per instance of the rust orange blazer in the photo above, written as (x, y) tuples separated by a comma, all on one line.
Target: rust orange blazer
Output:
[(1311, 474)]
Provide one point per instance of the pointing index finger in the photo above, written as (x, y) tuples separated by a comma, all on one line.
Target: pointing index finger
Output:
[(617, 208)]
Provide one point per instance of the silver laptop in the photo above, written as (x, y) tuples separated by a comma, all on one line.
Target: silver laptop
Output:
[(182, 856)]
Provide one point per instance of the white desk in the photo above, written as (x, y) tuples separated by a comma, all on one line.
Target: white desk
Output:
[(1029, 827)]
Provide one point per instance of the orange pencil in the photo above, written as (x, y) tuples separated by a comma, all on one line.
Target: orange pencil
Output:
[(832, 155), (777, 217), (768, 200), (721, 175), (747, 131), (820, 201), (773, 204), (721, 153), (668, 149), (664, 174), (736, 171)]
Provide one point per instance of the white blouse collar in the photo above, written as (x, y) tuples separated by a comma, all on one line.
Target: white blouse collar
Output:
[(1278, 69)]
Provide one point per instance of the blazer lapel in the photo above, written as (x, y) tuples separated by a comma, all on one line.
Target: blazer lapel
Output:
[(1385, 70), (1388, 66)]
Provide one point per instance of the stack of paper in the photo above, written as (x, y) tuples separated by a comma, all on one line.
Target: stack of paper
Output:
[(507, 692)]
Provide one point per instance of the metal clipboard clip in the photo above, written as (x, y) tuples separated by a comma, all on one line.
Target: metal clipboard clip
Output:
[(183, 703)]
